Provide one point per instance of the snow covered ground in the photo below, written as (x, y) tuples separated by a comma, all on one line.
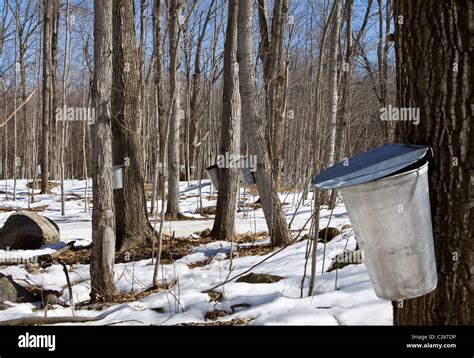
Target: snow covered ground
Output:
[(353, 302)]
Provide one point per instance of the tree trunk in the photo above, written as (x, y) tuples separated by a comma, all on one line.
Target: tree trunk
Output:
[(103, 220), (143, 84), (55, 145), (346, 87), (47, 38), (172, 208), (434, 73), (160, 124), (131, 219), (330, 147), (195, 109), (333, 97), (384, 85), (24, 114), (382, 62), (318, 139), (224, 223), (15, 90), (254, 129), (275, 78), (62, 147)]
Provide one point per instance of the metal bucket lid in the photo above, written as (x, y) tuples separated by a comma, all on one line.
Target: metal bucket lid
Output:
[(371, 165), (214, 166)]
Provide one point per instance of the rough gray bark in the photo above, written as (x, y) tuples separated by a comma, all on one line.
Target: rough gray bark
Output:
[(62, 146), (103, 219), (275, 77), (46, 118), (160, 130), (195, 109), (330, 149), (254, 129), (54, 130), (382, 60), (346, 86), (131, 219), (174, 11), (384, 85), (434, 72), (330, 145), (317, 107), (224, 223)]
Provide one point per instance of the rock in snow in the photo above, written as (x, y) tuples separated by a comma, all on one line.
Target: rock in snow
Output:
[(27, 230), (259, 278), (12, 292), (328, 234)]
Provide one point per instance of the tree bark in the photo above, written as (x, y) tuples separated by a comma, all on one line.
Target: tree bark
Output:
[(172, 205), (103, 219), (47, 63), (224, 223), (382, 62), (433, 43), (330, 147), (333, 96), (254, 129), (195, 109), (346, 87), (55, 145), (131, 219), (160, 124), (275, 77)]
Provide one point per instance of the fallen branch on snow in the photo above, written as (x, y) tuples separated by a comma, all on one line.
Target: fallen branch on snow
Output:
[(32, 321), (42, 259), (38, 320)]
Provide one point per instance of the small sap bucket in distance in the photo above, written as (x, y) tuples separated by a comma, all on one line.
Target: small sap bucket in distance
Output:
[(117, 176), (214, 175), (386, 194)]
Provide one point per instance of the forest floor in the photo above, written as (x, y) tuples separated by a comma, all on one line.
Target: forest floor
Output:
[(193, 265)]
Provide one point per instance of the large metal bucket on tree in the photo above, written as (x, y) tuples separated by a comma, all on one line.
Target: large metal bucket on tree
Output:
[(386, 194)]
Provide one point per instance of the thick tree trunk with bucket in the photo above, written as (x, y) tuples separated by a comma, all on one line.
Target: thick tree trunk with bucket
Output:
[(433, 43), (131, 219), (224, 223), (103, 219)]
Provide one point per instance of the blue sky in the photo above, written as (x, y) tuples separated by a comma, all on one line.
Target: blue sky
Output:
[(82, 12)]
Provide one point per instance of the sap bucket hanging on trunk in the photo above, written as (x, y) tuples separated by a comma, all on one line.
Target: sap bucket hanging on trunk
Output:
[(386, 194), (246, 170), (117, 176), (214, 174)]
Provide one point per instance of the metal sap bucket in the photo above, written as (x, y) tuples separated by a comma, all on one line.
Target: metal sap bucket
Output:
[(246, 171), (214, 175), (391, 218), (248, 176), (386, 194), (117, 171)]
